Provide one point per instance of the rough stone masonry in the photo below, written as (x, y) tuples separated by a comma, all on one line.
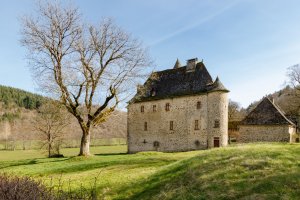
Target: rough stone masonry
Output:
[(178, 109)]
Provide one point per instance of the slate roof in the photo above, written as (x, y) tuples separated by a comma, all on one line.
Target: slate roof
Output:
[(266, 113), (178, 82)]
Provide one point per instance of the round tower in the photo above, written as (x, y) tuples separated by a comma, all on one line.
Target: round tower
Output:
[(217, 129)]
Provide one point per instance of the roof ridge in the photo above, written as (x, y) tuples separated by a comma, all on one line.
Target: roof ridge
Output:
[(280, 111)]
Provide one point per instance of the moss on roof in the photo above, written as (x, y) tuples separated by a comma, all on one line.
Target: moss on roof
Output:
[(266, 113), (178, 82)]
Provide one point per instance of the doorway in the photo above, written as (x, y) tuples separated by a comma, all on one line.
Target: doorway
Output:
[(216, 142)]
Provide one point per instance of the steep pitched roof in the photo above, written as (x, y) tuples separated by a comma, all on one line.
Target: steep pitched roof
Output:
[(177, 64), (266, 113), (178, 82)]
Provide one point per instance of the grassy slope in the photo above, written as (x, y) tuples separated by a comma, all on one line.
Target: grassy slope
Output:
[(254, 171)]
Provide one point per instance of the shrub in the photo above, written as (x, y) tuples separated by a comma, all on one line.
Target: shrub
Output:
[(24, 188)]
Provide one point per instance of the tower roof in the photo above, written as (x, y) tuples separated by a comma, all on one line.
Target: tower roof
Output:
[(178, 82), (177, 64), (266, 113)]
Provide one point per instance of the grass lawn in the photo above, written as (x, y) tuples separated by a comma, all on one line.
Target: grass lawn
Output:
[(252, 171)]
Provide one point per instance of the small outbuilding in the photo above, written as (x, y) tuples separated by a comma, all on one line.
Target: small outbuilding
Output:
[(267, 123)]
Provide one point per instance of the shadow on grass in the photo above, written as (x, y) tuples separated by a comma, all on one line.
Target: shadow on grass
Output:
[(135, 162), (110, 154), (7, 164), (218, 177)]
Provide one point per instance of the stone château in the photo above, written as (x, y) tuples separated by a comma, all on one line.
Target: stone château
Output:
[(178, 109)]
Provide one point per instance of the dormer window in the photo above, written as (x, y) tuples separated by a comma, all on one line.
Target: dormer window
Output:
[(153, 92), (142, 109), (167, 107), (198, 105)]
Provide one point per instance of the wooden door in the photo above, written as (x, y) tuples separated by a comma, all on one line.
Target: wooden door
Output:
[(216, 142)]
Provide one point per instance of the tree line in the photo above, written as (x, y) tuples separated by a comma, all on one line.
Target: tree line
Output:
[(13, 96)]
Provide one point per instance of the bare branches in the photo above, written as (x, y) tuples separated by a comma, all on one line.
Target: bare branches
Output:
[(294, 75), (89, 68), (51, 122)]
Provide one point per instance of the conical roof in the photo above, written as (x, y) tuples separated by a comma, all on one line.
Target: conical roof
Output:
[(266, 113), (177, 64), (218, 86)]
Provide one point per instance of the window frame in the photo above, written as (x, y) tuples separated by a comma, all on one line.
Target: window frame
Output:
[(154, 108), (196, 127), (217, 123), (167, 107), (171, 126), (198, 105), (142, 109)]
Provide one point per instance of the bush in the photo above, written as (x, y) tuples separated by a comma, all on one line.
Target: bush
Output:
[(24, 188)]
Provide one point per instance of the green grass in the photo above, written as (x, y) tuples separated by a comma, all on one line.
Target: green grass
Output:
[(252, 171), (36, 144)]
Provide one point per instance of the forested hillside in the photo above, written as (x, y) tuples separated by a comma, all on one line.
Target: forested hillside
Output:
[(287, 99), (18, 110), (13, 96)]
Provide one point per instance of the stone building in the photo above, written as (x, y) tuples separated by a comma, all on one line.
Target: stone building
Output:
[(267, 123), (178, 109)]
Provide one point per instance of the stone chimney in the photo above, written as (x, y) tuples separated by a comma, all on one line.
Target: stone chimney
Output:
[(191, 64)]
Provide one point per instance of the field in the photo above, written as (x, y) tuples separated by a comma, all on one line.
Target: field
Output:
[(69, 143), (252, 171)]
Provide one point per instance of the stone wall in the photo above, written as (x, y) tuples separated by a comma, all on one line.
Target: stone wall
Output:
[(218, 110), (266, 133), (183, 112)]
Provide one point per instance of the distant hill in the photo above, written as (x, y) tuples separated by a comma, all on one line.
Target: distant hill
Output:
[(284, 98), (13, 96), (18, 108)]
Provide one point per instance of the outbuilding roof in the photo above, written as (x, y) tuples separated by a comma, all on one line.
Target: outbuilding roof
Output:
[(178, 82), (266, 113)]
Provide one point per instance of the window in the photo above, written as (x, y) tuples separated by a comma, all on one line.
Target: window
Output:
[(145, 126), (171, 125), (142, 109), (167, 107), (156, 144), (153, 92), (198, 104), (196, 124), (154, 108), (217, 124)]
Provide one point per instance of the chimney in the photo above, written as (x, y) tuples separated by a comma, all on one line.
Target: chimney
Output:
[(191, 64)]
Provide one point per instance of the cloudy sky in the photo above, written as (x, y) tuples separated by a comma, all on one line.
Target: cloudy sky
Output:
[(247, 43)]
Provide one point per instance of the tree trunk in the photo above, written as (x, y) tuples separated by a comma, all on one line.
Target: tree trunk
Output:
[(85, 143), (49, 150)]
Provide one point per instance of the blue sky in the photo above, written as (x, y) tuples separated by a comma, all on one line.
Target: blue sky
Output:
[(247, 43)]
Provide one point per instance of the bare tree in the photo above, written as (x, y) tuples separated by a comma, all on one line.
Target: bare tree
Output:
[(233, 110), (293, 74), (51, 122), (91, 69)]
